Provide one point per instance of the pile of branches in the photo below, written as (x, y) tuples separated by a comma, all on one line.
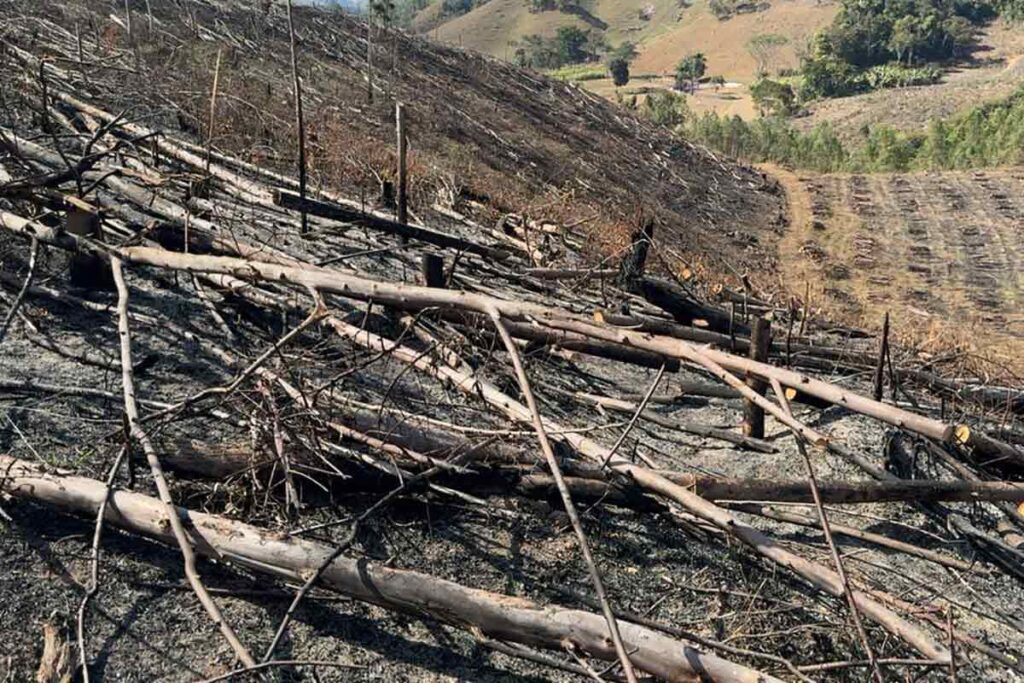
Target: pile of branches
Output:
[(334, 348)]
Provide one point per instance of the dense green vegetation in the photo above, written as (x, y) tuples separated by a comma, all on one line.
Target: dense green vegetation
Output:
[(989, 135), (579, 72), (773, 98), (570, 45), (725, 9), (618, 67), (889, 43), (1011, 9), (690, 70), (567, 6)]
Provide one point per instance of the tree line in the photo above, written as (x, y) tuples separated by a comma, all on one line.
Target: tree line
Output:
[(885, 43), (987, 135)]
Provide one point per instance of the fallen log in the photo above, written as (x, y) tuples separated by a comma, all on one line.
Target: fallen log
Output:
[(344, 214), (653, 482), (569, 274), (581, 344), (194, 459), (839, 529), (676, 301), (690, 428), (498, 616), (500, 470), (411, 297)]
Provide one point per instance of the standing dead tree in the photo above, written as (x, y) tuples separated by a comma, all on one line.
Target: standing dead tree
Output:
[(300, 120)]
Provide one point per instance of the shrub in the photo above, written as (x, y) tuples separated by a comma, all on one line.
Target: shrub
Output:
[(690, 70), (666, 108), (456, 8), (619, 69), (773, 97)]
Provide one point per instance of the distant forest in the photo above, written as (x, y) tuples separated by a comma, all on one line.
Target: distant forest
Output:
[(988, 135)]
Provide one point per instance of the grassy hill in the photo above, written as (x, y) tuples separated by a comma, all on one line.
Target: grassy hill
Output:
[(724, 42), (667, 36), (996, 74), (670, 33)]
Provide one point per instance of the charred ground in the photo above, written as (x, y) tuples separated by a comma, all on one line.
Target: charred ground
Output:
[(501, 142)]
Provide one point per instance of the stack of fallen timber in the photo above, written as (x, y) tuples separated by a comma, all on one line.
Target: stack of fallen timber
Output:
[(337, 376)]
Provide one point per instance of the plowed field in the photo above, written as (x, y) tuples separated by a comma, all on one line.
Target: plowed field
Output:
[(942, 251)]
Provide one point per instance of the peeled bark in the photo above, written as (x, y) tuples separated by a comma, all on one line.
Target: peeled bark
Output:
[(497, 616)]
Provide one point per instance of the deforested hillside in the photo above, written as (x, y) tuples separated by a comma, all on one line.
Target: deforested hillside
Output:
[(259, 428), (486, 138)]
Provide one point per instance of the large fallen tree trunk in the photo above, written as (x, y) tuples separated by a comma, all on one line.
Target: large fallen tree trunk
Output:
[(502, 470), (497, 616), (676, 301), (344, 214), (411, 297)]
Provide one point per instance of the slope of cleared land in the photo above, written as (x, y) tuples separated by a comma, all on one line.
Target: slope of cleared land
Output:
[(263, 411), (941, 251), (486, 137)]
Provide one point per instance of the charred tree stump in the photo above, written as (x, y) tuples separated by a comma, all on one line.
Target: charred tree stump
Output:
[(633, 264), (401, 178), (666, 295), (753, 415), (883, 352), (387, 196), (88, 270), (432, 271)]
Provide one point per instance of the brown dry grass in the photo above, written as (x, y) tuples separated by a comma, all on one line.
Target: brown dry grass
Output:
[(671, 34), (724, 42), (949, 324)]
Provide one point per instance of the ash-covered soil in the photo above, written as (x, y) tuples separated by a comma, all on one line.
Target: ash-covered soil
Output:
[(61, 402), (146, 624)]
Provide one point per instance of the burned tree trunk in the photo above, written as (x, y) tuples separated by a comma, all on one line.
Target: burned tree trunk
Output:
[(499, 616), (88, 270), (753, 415), (666, 295), (633, 264)]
